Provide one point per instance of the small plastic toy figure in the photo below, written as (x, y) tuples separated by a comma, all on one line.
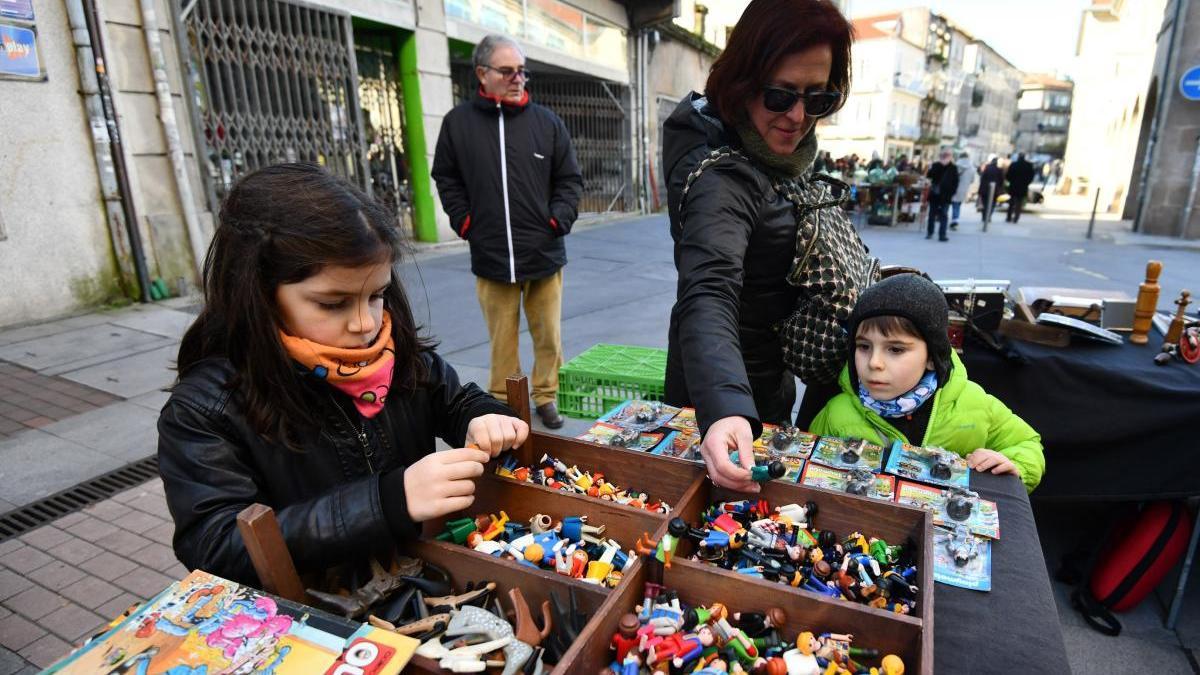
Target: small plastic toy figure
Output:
[(801, 516), (774, 469), (860, 482), (962, 545), (959, 503), (800, 659), (626, 637)]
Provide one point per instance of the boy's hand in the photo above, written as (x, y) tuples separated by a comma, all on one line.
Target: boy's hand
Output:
[(990, 460), (730, 433), (442, 482), (496, 433)]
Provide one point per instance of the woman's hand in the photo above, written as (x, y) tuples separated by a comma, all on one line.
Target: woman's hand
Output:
[(496, 433), (442, 482), (985, 460), (730, 433)]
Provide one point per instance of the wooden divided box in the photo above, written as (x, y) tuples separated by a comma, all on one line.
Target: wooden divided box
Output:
[(685, 487)]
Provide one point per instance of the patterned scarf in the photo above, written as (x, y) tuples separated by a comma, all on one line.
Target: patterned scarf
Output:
[(363, 374), (903, 404)]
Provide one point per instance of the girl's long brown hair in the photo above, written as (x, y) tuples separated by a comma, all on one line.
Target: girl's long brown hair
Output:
[(281, 225)]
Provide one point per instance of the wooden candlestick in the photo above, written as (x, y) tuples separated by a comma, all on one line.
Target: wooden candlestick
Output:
[(1176, 329), (1147, 303)]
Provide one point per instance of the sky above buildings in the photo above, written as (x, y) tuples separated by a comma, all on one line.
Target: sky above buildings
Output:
[(1035, 35)]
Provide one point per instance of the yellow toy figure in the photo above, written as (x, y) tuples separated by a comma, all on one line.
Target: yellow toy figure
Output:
[(800, 659)]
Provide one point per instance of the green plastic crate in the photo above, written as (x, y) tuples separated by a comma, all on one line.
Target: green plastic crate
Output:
[(592, 383)]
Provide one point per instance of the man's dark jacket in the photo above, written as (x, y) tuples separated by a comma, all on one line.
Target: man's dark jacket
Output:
[(544, 186), (733, 254), (1019, 175), (943, 179), (329, 496)]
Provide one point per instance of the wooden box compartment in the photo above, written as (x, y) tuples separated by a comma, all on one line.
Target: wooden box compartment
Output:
[(536, 585), (843, 513), (665, 479), (699, 584)]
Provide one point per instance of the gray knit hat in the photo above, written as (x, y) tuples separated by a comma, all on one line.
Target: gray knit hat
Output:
[(917, 299)]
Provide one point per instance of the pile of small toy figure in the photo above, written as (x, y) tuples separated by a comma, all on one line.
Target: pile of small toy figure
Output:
[(781, 544), (572, 546), (555, 474), (665, 636)]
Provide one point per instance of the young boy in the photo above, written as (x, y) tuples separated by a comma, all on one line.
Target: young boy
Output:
[(904, 382)]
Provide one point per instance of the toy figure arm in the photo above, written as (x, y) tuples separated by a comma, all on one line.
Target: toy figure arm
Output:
[(1012, 437)]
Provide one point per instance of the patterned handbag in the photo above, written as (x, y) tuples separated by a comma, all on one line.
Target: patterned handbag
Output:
[(831, 267)]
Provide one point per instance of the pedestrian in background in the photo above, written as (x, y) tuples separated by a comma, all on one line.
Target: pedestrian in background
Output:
[(508, 178), (943, 182), (966, 176), (1019, 176), (991, 176)]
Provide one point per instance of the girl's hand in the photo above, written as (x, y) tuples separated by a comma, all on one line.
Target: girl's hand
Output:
[(726, 434), (985, 460), (442, 483), (496, 433)]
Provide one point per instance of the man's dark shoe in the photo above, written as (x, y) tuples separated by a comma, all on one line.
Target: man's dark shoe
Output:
[(954, 226), (943, 238), (929, 236), (548, 413)]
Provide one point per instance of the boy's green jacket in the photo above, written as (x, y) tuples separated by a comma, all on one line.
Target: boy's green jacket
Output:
[(964, 418)]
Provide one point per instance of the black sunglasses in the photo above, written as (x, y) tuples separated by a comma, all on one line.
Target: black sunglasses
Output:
[(816, 103), (510, 73)]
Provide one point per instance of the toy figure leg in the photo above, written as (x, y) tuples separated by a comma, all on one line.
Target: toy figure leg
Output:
[(501, 305), (543, 311)]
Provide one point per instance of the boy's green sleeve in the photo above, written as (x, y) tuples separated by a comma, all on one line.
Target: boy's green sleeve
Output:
[(1012, 437)]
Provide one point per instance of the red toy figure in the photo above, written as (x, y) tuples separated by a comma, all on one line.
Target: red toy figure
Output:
[(626, 636)]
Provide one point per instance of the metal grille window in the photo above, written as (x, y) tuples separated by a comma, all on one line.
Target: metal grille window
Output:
[(274, 82), (594, 112), (383, 120)]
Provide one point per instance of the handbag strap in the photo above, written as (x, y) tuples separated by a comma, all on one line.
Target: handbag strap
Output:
[(712, 158)]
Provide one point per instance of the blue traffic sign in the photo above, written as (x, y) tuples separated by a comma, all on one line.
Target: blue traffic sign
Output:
[(1189, 84)]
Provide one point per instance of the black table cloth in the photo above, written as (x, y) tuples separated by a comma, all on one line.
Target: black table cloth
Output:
[(1014, 627), (1114, 425)]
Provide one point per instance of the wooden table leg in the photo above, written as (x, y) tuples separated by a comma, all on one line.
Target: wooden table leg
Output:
[(268, 552)]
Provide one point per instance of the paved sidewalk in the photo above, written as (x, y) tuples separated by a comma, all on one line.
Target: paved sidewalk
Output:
[(61, 583)]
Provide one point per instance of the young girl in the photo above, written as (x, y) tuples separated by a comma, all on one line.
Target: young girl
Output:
[(303, 385), (904, 382)]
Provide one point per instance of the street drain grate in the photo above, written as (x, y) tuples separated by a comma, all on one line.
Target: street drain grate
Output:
[(46, 510)]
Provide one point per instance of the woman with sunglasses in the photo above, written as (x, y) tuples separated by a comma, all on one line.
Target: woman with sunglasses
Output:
[(760, 242)]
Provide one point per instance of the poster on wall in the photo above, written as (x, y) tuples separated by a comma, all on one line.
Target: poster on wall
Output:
[(18, 52), (21, 10)]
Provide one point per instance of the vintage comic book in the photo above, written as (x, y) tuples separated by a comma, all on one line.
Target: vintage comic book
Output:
[(962, 559), (680, 444), (685, 421), (983, 520), (208, 625), (606, 434), (848, 453), (877, 486), (641, 415), (791, 442), (928, 465)]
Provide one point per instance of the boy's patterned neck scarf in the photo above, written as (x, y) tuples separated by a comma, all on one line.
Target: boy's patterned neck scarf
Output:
[(363, 374), (904, 404)]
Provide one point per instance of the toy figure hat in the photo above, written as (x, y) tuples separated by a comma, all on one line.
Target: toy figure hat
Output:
[(916, 298)]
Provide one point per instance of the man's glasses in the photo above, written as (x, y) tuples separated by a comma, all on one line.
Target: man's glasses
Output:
[(511, 73), (816, 103)]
